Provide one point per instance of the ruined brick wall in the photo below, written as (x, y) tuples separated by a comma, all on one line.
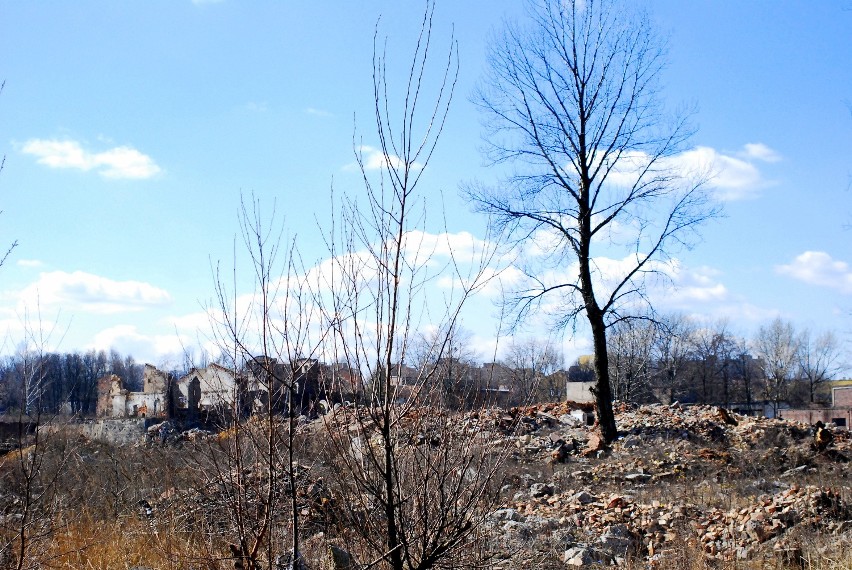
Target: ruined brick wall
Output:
[(109, 388), (120, 431), (154, 380), (842, 417), (842, 397)]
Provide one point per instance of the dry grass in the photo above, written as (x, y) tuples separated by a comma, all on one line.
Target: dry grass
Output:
[(129, 543), (95, 522)]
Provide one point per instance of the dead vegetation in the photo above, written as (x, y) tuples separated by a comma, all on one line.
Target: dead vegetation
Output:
[(680, 488)]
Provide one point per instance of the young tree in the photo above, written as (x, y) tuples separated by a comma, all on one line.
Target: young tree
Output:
[(630, 355), (266, 338), (535, 363), (31, 473), (2, 164), (417, 488), (777, 346), (573, 104), (819, 360)]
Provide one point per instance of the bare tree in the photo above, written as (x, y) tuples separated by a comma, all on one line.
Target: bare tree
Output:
[(777, 346), (572, 101), (713, 348), (672, 355), (747, 373), (416, 487), (455, 364), (630, 356), (535, 362), (819, 360), (271, 339)]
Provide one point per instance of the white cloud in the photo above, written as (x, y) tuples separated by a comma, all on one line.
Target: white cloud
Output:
[(818, 268), (126, 339), (118, 162), (462, 246), (92, 293), (760, 151), (318, 112), (731, 177), (690, 286), (374, 160), (29, 263)]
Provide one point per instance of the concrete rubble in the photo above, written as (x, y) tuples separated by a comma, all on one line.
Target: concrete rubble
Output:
[(599, 500), (661, 485)]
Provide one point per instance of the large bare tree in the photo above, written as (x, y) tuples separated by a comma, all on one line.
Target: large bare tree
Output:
[(572, 103)]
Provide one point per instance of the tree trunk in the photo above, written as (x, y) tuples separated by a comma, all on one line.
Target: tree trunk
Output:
[(603, 393)]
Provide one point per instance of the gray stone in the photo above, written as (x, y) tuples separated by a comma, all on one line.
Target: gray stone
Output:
[(507, 515), (583, 497), (617, 540), (638, 477), (521, 529), (584, 556), (539, 490)]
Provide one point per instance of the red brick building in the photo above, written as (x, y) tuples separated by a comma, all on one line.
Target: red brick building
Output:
[(840, 412)]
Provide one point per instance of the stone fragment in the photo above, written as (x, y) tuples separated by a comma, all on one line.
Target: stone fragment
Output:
[(583, 497), (583, 556), (539, 490), (507, 515)]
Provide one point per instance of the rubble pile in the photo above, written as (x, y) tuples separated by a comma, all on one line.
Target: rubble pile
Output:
[(732, 486), (609, 527), (636, 494), (822, 510)]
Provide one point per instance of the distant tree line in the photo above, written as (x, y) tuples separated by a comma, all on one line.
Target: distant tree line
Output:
[(675, 358), (665, 359), (50, 383)]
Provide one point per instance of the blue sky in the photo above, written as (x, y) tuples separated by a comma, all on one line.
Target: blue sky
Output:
[(131, 130)]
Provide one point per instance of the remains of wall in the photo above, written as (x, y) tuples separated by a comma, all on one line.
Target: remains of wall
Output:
[(119, 431), (839, 416), (154, 380), (841, 396), (579, 392)]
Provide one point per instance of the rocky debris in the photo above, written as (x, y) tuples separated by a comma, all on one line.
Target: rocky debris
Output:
[(507, 515), (585, 556), (618, 525), (617, 539), (593, 502), (538, 490), (672, 445), (169, 432), (772, 516)]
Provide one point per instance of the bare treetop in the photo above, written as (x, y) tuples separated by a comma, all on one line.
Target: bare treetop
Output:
[(571, 101)]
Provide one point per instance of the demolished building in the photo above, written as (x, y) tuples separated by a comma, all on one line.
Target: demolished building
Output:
[(839, 413), (214, 389)]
